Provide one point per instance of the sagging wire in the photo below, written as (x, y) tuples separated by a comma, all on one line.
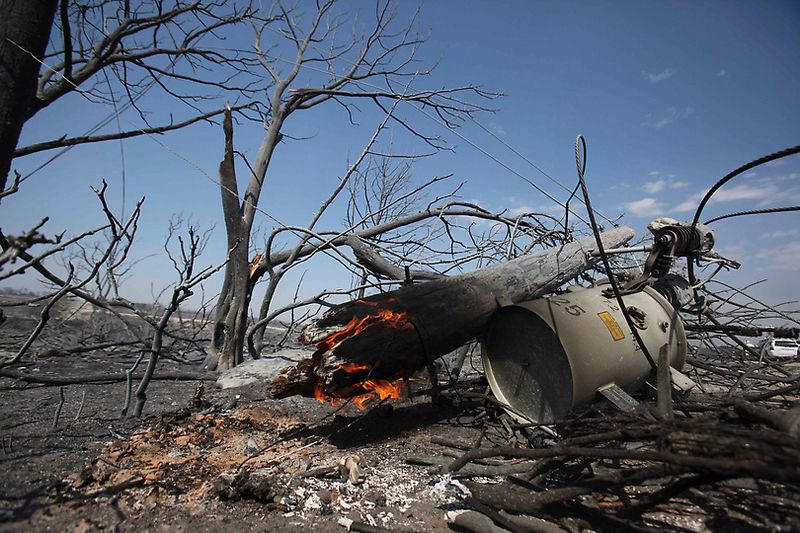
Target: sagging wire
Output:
[(744, 168), (480, 149), (580, 162), (534, 165), (752, 164), (117, 114)]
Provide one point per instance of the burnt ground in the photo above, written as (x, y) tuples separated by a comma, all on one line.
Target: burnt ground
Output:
[(176, 467), (206, 459), (100, 470)]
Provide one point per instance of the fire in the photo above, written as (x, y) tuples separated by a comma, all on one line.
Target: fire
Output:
[(379, 389), (352, 368), (391, 319), (373, 388), (384, 388), (322, 397)]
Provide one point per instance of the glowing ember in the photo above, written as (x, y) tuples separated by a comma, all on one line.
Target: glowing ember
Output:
[(352, 368), (387, 318), (324, 398), (379, 389), (376, 389), (384, 388)]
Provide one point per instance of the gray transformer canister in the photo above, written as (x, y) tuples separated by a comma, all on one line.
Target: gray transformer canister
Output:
[(547, 356)]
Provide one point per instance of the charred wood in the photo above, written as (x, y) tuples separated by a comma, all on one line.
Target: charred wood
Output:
[(392, 335), (787, 421)]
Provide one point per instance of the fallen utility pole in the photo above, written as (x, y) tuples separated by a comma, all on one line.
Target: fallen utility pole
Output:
[(389, 336)]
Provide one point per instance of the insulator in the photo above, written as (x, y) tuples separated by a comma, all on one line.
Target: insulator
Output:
[(661, 265), (686, 240)]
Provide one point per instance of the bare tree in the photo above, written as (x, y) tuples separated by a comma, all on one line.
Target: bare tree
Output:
[(378, 67), (102, 48), (112, 53), (119, 242), (184, 260)]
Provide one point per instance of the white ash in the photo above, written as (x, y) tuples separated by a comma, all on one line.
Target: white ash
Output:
[(403, 485), (313, 504)]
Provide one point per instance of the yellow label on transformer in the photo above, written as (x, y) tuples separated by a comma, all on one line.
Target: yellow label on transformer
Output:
[(612, 325)]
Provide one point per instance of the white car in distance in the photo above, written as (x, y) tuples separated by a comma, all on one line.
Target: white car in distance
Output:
[(780, 348)]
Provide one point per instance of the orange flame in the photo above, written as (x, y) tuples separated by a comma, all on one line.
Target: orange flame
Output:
[(377, 389), (322, 397), (384, 388), (374, 388), (352, 368), (391, 319)]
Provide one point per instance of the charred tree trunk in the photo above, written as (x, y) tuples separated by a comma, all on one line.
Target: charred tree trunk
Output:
[(231, 312), (390, 336), (230, 323), (24, 32)]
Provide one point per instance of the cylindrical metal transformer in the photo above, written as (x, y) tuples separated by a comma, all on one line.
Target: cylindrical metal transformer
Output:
[(546, 356)]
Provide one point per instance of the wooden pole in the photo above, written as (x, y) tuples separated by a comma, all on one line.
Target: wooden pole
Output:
[(392, 335)]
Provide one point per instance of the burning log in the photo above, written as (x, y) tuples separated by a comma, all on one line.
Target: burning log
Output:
[(367, 348)]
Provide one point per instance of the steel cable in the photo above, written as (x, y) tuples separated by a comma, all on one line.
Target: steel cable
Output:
[(752, 164), (580, 162)]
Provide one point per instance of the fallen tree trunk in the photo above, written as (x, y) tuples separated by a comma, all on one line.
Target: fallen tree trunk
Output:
[(364, 346)]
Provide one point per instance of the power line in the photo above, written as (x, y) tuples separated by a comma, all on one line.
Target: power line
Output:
[(444, 125), (117, 114), (168, 148), (534, 165)]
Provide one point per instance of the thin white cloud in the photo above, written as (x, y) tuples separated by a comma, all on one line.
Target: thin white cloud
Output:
[(656, 186), (775, 163), (783, 257), (690, 204), (497, 129), (786, 177), (645, 207), (652, 187), (764, 195), (739, 251), (780, 234), (670, 115), (665, 74), (522, 210), (527, 209), (723, 73), (789, 194), (744, 192)]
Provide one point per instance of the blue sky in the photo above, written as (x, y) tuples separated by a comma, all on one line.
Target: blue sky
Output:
[(670, 96)]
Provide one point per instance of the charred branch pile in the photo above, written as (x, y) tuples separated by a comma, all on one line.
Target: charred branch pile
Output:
[(719, 462)]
